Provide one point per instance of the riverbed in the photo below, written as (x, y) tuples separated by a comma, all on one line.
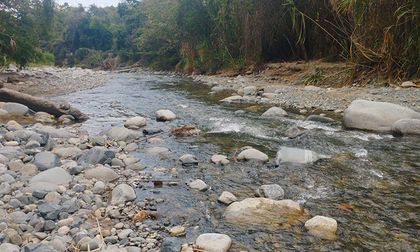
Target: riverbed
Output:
[(369, 184)]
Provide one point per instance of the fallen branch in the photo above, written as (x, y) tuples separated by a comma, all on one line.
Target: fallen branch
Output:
[(38, 104)]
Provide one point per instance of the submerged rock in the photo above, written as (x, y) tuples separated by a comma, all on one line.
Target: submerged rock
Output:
[(406, 127), (323, 227), (213, 242), (252, 154), (295, 155), (263, 211), (274, 112), (376, 116)]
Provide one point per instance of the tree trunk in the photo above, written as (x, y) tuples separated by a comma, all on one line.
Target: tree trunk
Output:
[(38, 104)]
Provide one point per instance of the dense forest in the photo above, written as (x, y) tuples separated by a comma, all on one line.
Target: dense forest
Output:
[(204, 36)]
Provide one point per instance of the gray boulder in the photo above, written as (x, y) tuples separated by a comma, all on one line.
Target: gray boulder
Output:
[(96, 155), (122, 193), (122, 134), (165, 115), (188, 160), (135, 122), (16, 108), (49, 180), (71, 152), (406, 127), (274, 112), (376, 116), (46, 160), (101, 173)]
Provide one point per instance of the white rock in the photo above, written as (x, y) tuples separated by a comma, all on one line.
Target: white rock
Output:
[(177, 231), (406, 127), (135, 122), (212, 242), (16, 108), (253, 155), (272, 191), (199, 184), (250, 90), (323, 227), (165, 115), (227, 198), (220, 159)]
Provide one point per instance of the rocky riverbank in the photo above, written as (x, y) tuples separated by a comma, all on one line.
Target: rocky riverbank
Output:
[(264, 90), (52, 81)]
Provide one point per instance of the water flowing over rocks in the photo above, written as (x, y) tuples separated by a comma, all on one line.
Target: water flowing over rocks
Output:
[(262, 211), (322, 226), (376, 116)]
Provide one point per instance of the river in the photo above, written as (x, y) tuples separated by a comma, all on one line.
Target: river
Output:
[(370, 185)]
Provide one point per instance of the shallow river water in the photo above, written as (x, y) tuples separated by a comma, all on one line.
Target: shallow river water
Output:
[(370, 185)]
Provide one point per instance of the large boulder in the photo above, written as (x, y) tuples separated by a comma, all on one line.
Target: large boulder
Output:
[(16, 108), (165, 115), (135, 122), (122, 134), (376, 116), (252, 154), (96, 155), (263, 211), (46, 160), (50, 179), (321, 226), (406, 127), (71, 152), (122, 193), (212, 242), (297, 156), (274, 112), (101, 173)]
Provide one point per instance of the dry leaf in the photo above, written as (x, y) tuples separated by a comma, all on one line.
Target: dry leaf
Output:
[(141, 215), (345, 206)]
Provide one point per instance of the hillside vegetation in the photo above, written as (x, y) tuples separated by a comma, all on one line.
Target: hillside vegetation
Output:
[(378, 38)]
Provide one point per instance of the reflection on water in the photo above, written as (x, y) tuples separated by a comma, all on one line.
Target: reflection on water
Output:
[(377, 175)]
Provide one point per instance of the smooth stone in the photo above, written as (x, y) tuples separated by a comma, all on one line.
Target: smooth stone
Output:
[(272, 191), (227, 198), (199, 184), (5, 188), (376, 116), (122, 134), (252, 154), (49, 180), (165, 115), (233, 99), (3, 113), (18, 217), (16, 108), (11, 152), (50, 210), (123, 234), (12, 236), (67, 152), (13, 126), (220, 159), (188, 160), (297, 156), (263, 211), (46, 160), (274, 112), (101, 173), (212, 242), (96, 155), (8, 247), (406, 127), (53, 132), (323, 227), (250, 90), (131, 147), (32, 144), (121, 194), (99, 187), (135, 122)]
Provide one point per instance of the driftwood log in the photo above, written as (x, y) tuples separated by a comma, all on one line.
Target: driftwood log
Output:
[(38, 104)]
